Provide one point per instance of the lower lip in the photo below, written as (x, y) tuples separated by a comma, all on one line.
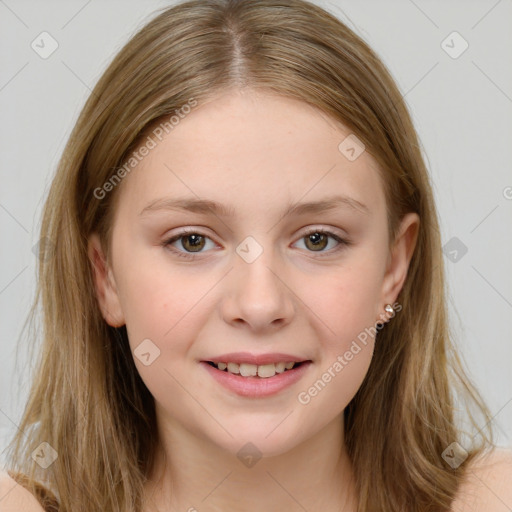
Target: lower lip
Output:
[(257, 386)]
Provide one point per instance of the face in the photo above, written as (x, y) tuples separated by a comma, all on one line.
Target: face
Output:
[(252, 283)]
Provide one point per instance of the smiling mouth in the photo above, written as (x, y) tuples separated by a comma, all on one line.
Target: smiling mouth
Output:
[(263, 371)]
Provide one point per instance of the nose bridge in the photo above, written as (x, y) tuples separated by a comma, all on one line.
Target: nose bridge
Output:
[(258, 295)]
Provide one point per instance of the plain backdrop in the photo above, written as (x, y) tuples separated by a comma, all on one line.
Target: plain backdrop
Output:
[(460, 99)]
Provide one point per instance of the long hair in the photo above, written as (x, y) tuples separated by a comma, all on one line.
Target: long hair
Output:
[(87, 400)]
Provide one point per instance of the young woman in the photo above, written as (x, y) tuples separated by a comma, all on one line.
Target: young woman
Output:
[(244, 308)]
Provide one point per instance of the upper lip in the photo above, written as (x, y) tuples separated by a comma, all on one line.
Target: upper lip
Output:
[(256, 359)]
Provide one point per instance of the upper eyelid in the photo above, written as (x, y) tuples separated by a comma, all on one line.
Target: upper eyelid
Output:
[(306, 231)]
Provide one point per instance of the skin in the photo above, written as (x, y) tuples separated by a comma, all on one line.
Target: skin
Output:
[(256, 153)]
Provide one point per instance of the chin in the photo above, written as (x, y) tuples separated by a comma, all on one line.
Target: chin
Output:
[(249, 449), (259, 437)]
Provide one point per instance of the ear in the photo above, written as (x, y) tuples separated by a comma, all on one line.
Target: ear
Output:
[(399, 257), (106, 290)]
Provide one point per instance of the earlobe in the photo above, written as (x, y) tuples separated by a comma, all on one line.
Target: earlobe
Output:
[(400, 257), (105, 286)]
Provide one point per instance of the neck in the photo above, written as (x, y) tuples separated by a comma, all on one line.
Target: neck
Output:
[(192, 474)]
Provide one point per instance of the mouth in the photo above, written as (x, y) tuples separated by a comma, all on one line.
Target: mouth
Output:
[(264, 371), (256, 376)]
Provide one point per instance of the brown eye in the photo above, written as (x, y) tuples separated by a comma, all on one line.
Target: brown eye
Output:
[(316, 241), (319, 241), (192, 243), (188, 244)]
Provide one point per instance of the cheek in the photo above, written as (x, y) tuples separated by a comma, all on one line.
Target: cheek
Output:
[(335, 385), (161, 304), (344, 306), (163, 314), (346, 348), (346, 301)]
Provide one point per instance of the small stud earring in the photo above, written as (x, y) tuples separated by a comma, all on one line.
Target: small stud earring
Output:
[(390, 310)]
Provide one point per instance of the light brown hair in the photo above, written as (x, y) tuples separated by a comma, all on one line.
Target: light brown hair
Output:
[(87, 399)]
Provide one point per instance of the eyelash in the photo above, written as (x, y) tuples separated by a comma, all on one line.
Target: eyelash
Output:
[(342, 242)]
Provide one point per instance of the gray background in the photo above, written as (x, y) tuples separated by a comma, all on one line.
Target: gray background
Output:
[(461, 107)]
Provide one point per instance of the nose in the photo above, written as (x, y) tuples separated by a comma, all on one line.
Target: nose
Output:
[(258, 295)]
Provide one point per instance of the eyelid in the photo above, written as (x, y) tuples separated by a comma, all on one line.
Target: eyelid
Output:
[(342, 240), (180, 234), (321, 229)]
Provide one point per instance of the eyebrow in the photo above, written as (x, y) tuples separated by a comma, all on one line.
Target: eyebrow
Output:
[(205, 206)]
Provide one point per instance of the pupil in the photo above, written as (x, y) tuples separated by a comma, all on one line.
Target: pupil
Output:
[(316, 239), (196, 241)]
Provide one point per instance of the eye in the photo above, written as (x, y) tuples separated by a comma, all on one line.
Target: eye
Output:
[(189, 240), (316, 240)]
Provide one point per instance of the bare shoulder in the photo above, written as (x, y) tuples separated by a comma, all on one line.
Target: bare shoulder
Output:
[(14, 497), (488, 484)]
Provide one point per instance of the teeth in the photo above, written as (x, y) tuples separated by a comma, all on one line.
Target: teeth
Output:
[(248, 370), (266, 370), (280, 367), (251, 370), (233, 368)]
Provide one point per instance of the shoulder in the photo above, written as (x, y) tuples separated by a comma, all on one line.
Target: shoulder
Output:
[(487, 485), (14, 497)]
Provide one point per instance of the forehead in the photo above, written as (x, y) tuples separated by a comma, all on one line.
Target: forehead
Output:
[(254, 151)]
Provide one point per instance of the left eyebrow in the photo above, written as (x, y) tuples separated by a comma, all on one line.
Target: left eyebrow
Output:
[(329, 203), (205, 206)]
